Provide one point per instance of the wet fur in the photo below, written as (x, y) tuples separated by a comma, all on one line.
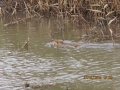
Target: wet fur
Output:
[(61, 42)]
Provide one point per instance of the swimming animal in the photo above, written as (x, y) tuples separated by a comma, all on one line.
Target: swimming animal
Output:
[(62, 42), (59, 42)]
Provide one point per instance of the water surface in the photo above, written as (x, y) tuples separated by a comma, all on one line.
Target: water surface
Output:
[(54, 68)]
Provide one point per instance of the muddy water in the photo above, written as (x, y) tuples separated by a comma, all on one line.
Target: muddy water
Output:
[(92, 66)]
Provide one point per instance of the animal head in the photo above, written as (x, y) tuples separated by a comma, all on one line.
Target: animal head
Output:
[(58, 42)]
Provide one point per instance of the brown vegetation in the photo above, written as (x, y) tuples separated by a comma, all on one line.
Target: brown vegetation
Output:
[(85, 13)]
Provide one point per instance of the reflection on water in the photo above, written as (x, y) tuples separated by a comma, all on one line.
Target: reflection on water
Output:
[(54, 68)]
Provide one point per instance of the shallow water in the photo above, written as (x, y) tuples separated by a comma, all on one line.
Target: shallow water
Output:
[(46, 67)]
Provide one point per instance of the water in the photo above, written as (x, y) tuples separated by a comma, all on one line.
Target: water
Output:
[(46, 67)]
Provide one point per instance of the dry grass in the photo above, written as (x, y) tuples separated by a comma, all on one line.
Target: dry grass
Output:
[(81, 12)]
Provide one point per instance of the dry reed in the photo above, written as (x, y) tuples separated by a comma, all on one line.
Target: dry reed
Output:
[(82, 12)]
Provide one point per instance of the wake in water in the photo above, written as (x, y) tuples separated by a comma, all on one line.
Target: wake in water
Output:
[(77, 45)]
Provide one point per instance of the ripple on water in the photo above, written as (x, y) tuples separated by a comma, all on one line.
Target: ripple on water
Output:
[(69, 68)]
